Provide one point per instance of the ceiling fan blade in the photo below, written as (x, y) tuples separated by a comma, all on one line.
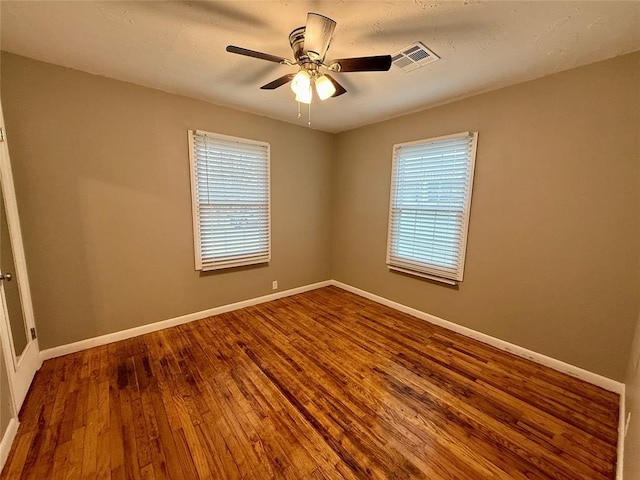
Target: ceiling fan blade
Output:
[(379, 63), (278, 82), (339, 88), (254, 54), (317, 35)]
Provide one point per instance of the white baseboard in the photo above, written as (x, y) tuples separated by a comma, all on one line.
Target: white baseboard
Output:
[(7, 441), (577, 372), (172, 322)]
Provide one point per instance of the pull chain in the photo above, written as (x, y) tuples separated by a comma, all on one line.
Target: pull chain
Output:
[(309, 112)]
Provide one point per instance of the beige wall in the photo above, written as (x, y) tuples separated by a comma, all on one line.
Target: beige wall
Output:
[(552, 258), (102, 178), (632, 404)]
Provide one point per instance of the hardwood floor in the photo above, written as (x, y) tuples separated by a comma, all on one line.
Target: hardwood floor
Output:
[(322, 385)]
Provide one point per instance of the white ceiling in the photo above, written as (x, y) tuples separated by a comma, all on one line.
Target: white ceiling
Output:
[(179, 47)]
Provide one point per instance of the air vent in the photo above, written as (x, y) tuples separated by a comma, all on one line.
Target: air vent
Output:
[(414, 56)]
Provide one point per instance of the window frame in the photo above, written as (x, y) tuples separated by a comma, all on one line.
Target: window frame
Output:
[(195, 205), (420, 269)]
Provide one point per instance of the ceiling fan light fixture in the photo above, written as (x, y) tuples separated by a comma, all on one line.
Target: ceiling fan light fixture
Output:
[(324, 87), (309, 45), (304, 95), (301, 83)]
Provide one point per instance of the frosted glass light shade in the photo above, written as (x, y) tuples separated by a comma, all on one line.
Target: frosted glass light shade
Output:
[(324, 87), (301, 82), (304, 95)]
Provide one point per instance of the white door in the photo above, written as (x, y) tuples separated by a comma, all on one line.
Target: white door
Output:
[(17, 329)]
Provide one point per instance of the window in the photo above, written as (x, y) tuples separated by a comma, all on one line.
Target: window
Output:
[(230, 200), (429, 207)]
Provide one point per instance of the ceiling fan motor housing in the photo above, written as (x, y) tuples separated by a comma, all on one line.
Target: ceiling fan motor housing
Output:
[(296, 40)]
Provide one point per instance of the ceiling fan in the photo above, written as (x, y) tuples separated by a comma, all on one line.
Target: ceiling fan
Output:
[(310, 44)]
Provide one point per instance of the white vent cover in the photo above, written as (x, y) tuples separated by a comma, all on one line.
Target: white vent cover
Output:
[(414, 56)]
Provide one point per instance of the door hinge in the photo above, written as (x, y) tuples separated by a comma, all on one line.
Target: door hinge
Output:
[(33, 334), (1, 134)]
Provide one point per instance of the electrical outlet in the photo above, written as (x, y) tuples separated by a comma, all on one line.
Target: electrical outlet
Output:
[(274, 285), (626, 425)]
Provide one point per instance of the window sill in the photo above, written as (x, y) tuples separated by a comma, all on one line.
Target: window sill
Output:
[(448, 281)]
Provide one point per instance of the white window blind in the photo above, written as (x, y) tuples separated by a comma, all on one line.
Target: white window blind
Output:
[(429, 207), (230, 200)]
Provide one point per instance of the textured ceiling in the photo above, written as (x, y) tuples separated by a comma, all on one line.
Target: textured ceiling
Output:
[(179, 47)]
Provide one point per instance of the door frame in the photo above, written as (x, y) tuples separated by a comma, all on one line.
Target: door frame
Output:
[(20, 370)]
